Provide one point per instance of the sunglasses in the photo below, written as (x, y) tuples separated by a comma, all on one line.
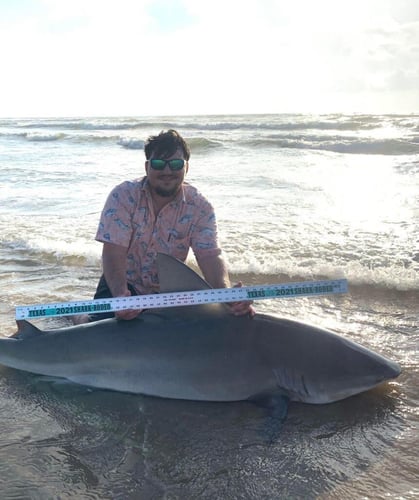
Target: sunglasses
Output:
[(176, 164)]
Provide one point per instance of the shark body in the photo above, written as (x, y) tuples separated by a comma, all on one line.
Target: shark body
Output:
[(200, 353)]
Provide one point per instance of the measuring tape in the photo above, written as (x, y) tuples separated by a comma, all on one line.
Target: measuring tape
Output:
[(173, 299)]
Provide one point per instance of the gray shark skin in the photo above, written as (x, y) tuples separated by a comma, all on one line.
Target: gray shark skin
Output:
[(200, 353)]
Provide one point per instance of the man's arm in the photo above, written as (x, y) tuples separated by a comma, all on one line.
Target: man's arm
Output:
[(114, 262), (215, 272)]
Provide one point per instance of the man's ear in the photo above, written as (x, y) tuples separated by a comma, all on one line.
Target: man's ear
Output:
[(145, 167), (186, 167)]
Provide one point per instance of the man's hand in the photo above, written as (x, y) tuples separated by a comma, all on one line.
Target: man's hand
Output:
[(215, 272), (127, 314), (242, 308)]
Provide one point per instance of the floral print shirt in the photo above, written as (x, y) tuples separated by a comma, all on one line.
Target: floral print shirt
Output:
[(128, 219)]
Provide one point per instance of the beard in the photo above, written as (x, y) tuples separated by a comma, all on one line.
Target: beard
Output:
[(167, 193)]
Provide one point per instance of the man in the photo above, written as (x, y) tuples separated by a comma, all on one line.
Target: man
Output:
[(158, 213)]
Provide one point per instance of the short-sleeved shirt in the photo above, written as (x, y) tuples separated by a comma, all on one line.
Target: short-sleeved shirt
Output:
[(128, 219)]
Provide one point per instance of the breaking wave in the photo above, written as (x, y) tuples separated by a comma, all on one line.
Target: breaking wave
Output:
[(347, 145), (348, 134), (81, 253)]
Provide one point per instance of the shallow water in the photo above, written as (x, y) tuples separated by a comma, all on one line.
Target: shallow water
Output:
[(297, 198)]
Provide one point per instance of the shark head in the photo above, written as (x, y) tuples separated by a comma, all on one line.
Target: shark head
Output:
[(315, 365)]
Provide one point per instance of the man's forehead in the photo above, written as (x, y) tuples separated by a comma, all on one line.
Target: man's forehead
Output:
[(165, 155)]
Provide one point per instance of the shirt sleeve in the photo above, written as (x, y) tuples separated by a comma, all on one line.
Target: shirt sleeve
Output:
[(115, 225), (204, 240)]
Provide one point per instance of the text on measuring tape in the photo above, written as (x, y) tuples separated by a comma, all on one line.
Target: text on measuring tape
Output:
[(173, 299)]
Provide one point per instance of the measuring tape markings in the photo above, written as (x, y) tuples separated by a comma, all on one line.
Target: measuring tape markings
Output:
[(173, 299)]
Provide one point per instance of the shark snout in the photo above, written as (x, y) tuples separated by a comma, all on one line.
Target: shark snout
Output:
[(392, 370)]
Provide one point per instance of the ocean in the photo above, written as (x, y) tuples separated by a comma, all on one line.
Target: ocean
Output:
[(297, 197)]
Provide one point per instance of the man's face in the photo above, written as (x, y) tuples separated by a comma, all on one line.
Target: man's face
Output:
[(166, 182)]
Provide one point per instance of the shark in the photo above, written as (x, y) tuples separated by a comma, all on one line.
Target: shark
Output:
[(200, 352)]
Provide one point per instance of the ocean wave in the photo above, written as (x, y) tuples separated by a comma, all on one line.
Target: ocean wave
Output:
[(351, 125), (274, 122), (202, 144), (340, 145), (256, 270), (279, 122), (349, 134), (78, 124), (37, 137), (42, 251), (91, 124), (336, 144), (196, 144), (79, 254), (131, 143), (53, 136)]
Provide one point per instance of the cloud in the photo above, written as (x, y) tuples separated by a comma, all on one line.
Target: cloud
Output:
[(195, 56)]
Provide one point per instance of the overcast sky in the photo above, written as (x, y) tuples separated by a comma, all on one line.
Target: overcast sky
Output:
[(165, 57)]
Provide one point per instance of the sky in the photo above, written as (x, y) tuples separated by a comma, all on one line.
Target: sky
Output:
[(179, 57)]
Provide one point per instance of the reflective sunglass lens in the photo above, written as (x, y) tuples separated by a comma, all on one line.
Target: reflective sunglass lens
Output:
[(176, 164), (157, 164)]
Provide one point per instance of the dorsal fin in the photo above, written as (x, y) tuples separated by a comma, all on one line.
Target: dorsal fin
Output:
[(26, 330), (175, 276)]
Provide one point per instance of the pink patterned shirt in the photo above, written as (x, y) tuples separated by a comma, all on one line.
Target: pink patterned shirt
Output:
[(128, 220)]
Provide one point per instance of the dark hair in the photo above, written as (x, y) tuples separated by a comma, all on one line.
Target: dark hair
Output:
[(165, 144)]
